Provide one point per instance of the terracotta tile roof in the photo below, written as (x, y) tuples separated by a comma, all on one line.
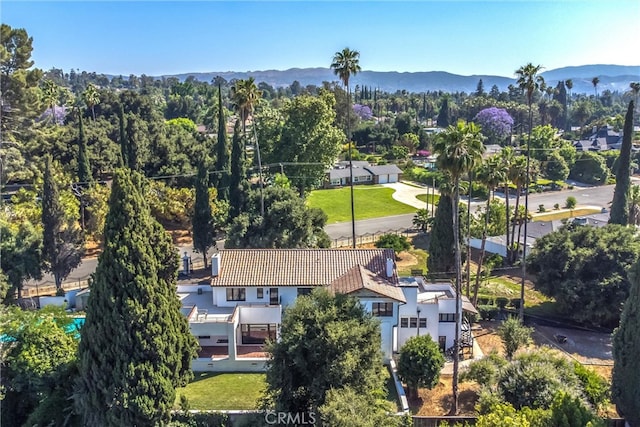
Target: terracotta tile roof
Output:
[(297, 267), (359, 278)]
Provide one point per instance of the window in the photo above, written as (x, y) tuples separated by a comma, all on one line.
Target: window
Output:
[(260, 293), (413, 322), (422, 322), (304, 291), (335, 181), (204, 337), (236, 294), (382, 309), (258, 334), (447, 317), (404, 322)]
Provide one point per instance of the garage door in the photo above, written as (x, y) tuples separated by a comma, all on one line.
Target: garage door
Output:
[(393, 177), (383, 179)]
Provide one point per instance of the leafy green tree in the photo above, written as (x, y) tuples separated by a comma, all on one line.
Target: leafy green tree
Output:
[(590, 168), (40, 350), (620, 204), (555, 167), (135, 347), (326, 342), (514, 335), (202, 221), (287, 222), (345, 407), (585, 270), (486, 370), (569, 411), (308, 136), (122, 139), (393, 241), (420, 364), (459, 150), (84, 170), (626, 347), (62, 243), (18, 81), (345, 64), (238, 182), (21, 248), (222, 165)]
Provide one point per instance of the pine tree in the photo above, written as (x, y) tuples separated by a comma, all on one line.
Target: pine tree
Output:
[(221, 182), (620, 203), (238, 173), (441, 249), (84, 170), (202, 221), (135, 346), (626, 348), (123, 160), (62, 242)]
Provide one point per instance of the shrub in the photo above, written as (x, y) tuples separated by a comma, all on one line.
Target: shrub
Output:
[(514, 335), (556, 206), (486, 370), (541, 208), (502, 302), (515, 303), (596, 388), (393, 241), (488, 312), (571, 202)]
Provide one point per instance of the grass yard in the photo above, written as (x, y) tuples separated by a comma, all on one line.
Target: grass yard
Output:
[(563, 214), (429, 198), (214, 390), (370, 202), (415, 258)]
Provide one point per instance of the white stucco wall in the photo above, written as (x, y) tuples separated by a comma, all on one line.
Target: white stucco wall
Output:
[(286, 295), (260, 315)]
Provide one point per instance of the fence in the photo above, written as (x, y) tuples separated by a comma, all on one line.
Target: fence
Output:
[(366, 238)]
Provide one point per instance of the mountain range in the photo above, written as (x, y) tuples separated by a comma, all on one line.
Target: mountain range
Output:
[(612, 77)]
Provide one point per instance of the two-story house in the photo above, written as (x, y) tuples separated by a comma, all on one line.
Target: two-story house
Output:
[(242, 308)]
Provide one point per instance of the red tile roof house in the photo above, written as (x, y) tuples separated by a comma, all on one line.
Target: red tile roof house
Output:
[(242, 308)]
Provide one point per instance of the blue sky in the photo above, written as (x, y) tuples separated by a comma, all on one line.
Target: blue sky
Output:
[(463, 37)]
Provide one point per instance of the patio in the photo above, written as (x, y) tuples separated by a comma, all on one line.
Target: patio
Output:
[(243, 351)]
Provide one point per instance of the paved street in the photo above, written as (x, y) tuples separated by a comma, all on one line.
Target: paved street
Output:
[(586, 196)]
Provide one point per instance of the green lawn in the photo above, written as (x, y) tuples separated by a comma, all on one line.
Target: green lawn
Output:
[(429, 198), (213, 390), (370, 202)]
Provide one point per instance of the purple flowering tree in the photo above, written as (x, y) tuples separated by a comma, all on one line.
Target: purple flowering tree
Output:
[(362, 111), (55, 115), (496, 124)]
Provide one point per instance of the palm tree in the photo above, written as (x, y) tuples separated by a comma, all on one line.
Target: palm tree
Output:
[(346, 63), (594, 82), (459, 150), (569, 84), (517, 174), (506, 163), (245, 95), (491, 173), (92, 98), (50, 93), (529, 81)]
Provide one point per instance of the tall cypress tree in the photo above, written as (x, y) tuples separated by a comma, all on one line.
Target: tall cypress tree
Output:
[(62, 241), (443, 119), (238, 173), (202, 221), (84, 170), (620, 203), (123, 160), (221, 182), (132, 144), (625, 391), (135, 346), (441, 248)]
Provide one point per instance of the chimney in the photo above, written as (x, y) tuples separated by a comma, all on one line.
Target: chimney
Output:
[(215, 264), (389, 267)]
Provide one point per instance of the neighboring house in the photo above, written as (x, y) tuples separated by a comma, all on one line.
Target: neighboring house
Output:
[(601, 139), (363, 173), (535, 230), (242, 308)]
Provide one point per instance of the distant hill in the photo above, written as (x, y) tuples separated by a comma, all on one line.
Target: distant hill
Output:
[(612, 77)]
